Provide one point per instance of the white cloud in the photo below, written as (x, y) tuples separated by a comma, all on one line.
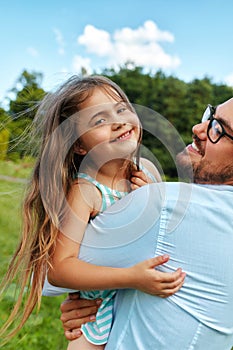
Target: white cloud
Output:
[(149, 32), (60, 41), (32, 51), (229, 80), (141, 46), (96, 41), (149, 55)]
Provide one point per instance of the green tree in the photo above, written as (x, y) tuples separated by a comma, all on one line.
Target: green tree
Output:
[(4, 133), (131, 80), (4, 141), (199, 94), (27, 94), (221, 93), (22, 110)]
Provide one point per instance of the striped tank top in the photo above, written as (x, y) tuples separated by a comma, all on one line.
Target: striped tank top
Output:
[(98, 332)]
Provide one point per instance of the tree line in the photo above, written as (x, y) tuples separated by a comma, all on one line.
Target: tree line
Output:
[(181, 103)]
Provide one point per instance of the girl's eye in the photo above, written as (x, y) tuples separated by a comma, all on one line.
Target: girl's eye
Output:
[(99, 121), (121, 109)]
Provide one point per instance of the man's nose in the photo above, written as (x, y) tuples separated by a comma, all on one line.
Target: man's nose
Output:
[(201, 130)]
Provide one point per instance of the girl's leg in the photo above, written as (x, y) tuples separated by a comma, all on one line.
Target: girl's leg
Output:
[(82, 344)]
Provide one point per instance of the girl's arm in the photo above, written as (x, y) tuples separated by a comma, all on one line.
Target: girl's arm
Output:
[(69, 272)]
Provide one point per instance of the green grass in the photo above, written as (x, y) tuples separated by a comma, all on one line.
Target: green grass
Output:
[(43, 330), (21, 169)]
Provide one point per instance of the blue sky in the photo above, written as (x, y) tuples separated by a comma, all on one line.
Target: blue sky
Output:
[(186, 38)]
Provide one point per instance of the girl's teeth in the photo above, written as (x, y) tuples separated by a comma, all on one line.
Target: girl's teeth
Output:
[(122, 136)]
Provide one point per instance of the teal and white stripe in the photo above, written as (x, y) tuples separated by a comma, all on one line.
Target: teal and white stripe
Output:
[(98, 332), (109, 196)]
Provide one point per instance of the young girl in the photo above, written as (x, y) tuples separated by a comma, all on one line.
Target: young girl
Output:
[(90, 139)]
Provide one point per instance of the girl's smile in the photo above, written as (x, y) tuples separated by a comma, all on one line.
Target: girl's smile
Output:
[(125, 136)]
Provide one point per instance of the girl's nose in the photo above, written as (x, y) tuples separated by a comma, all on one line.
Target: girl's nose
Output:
[(117, 125), (201, 130)]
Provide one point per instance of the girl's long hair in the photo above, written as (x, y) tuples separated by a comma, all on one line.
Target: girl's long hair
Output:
[(44, 206)]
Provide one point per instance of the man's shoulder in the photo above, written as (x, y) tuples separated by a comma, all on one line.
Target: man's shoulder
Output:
[(174, 187), (204, 195)]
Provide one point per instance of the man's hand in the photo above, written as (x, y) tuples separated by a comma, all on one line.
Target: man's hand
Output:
[(75, 312)]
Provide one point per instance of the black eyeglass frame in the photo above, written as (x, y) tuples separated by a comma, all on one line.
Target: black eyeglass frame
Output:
[(211, 120)]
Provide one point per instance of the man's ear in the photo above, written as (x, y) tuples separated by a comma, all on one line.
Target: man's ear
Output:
[(79, 149)]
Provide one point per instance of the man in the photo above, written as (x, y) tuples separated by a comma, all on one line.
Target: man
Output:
[(191, 223)]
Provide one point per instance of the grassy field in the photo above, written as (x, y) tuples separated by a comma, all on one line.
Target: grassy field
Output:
[(43, 330)]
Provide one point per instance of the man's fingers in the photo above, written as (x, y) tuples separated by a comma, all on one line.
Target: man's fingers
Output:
[(79, 313), (72, 335), (69, 304), (75, 312), (71, 324), (74, 296)]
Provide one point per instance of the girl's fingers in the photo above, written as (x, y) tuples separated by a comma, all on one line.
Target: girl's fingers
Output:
[(137, 181), (173, 285), (140, 179), (168, 292), (134, 187), (175, 277)]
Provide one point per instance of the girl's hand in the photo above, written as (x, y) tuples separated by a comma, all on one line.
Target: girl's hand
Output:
[(75, 312), (149, 280), (139, 179)]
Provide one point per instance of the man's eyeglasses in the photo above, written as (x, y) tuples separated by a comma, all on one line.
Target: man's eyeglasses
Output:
[(215, 130)]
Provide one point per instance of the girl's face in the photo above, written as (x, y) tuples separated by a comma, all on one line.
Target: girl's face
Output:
[(108, 129)]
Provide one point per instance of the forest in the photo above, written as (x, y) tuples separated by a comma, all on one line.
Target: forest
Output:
[(180, 103)]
